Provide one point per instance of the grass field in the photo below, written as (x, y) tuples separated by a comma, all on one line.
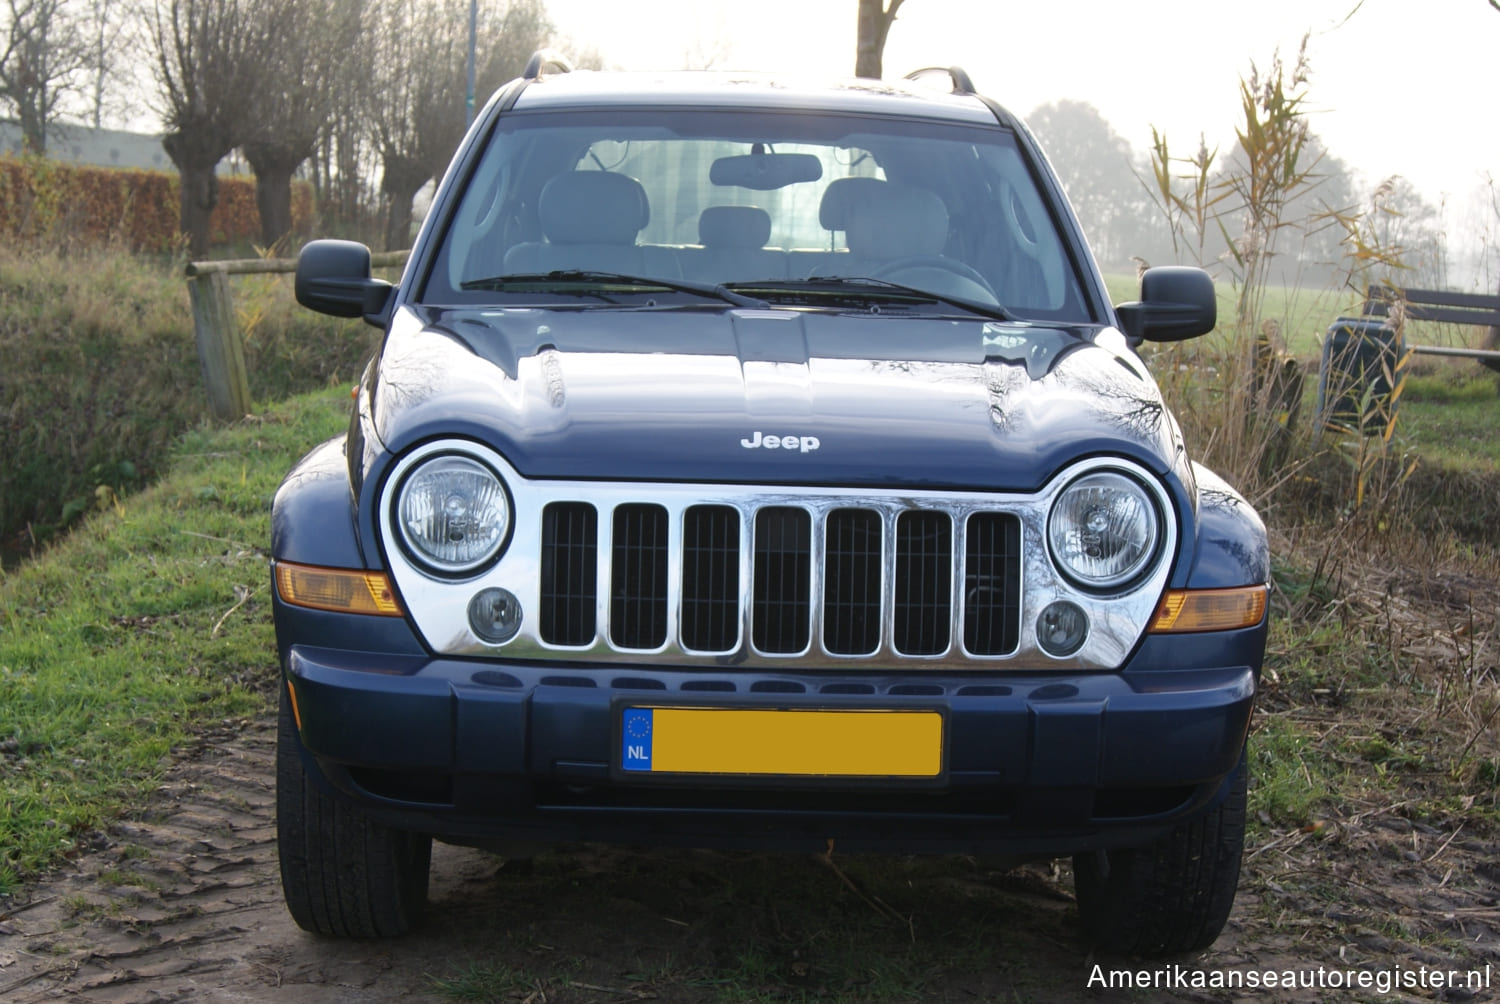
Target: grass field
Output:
[(144, 624)]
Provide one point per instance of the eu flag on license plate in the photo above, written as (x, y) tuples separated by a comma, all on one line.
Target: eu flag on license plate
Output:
[(635, 739)]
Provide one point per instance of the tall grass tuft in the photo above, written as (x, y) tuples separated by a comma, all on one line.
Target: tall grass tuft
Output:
[(1240, 392)]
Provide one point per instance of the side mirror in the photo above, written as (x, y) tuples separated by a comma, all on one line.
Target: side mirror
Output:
[(333, 277), (1177, 302)]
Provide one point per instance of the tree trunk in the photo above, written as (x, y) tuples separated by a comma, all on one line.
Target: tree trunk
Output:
[(200, 194), (874, 24), (33, 128), (403, 177), (196, 155), (273, 164), (273, 200), (398, 222)]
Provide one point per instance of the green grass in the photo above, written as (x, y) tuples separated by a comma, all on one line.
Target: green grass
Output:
[(484, 983), (147, 623), (1451, 416), (1289, 776)]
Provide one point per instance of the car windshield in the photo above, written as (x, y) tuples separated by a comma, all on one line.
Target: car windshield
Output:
[(780, 206)]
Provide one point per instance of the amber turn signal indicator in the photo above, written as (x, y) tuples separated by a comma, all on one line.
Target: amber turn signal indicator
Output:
[(348, 591), (296, 711), (1185, 610)]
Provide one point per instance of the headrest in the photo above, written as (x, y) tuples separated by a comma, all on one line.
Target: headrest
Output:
[(897, 221), (593, 207), (839, 198), (734, 227)]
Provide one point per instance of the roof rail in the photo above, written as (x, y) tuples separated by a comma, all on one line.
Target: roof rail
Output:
[(962, 84), (543, 58)]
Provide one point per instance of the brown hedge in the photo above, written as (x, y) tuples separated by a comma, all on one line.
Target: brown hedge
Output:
[(51, 201)]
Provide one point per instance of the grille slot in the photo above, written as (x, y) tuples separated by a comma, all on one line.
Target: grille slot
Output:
[(711, 578), (569, 573), (851, 582), (780, 609), (638, 581), (992, 584), (923, 587)]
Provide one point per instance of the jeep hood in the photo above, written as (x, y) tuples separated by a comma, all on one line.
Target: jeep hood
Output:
[(767, 396)]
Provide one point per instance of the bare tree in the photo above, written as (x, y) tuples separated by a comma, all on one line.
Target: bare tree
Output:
[(509, 33), (402, 69), (46, 52), (421, 77), (345, 158), (311, 45), (111, 24), (875, 19), (209, 60)]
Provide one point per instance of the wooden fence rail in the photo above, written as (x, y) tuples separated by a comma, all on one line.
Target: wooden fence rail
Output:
[(216, 328)]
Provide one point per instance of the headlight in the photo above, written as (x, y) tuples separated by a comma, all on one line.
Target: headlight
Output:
[(453, 514), (1103, 530)]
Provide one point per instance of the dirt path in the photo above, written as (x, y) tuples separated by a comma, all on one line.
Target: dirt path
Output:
[(183, 903)]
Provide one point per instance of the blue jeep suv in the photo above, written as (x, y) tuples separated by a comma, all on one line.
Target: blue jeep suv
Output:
[(755, 463)]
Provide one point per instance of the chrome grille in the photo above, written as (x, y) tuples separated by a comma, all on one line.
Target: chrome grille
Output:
[(863, 579), (858, 579)]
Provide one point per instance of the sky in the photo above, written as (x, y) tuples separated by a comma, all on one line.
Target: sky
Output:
[(1398, 86)]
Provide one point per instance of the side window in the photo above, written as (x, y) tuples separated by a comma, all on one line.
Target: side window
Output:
[(1031, 269), (485, 226)]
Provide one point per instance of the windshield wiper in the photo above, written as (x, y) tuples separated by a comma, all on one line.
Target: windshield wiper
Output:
[(863, 290), (560, 280)]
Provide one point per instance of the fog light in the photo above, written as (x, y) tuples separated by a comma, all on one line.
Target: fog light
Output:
[(1061, 628), (495, 615)]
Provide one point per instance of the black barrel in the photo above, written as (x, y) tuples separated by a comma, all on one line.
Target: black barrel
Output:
[(1364, 360)]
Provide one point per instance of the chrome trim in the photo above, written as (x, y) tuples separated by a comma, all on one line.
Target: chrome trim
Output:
[(438, 607)]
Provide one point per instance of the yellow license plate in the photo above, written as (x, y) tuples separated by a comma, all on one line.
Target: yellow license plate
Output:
[(787, 742)]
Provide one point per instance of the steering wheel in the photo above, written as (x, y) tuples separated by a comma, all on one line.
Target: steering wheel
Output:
[(936, 274)]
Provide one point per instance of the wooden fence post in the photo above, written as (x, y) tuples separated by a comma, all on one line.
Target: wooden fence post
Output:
[(216, 329), (221, 351)]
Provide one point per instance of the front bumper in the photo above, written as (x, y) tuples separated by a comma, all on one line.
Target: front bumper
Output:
[(482, 751)]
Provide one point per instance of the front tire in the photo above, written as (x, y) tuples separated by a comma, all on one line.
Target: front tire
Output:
[(342, 873), (1169, 897)]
